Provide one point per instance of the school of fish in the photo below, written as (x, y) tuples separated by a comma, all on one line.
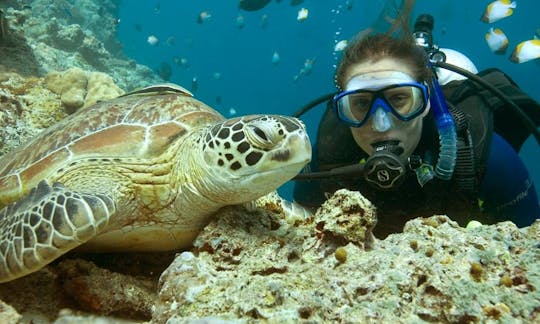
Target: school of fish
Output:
[(497, 40)]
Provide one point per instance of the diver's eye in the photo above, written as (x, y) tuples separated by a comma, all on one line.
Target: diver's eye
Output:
[(399, 100), (360, 101)]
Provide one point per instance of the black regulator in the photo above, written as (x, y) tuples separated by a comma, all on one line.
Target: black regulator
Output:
[(384, 169)]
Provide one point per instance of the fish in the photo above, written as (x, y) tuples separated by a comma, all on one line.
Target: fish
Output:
[(498, 10), (253, 5), (497, 40), (264, 21), (349, 4), (296, 2), (181, 61), (526, 51), (232, 111), (275, 58), (240, 21), (340, 46), (203, 16), (302, 14), (152, 40), (306, 69)]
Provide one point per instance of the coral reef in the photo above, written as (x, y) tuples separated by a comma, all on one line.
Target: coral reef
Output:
[(26, 108), (254, 267), (47, 36), (262, 264), (70, 85), (100, 87), (71, 43), (348, 217), (91, 288), (30, 104), (78, 88), (75, 290), (8, 314)]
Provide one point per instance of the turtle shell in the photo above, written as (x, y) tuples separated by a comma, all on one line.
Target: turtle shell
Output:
[(139, 125)]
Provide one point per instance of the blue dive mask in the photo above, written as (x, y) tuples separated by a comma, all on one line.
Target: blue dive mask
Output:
[(405, 101)]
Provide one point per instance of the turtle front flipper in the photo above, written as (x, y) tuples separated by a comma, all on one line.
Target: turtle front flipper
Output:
[(47, 223)]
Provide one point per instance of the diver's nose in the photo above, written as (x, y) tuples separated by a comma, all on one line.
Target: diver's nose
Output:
[(381, 120)]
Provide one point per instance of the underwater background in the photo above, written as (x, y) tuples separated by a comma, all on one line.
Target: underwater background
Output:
[(225, 55), (266, 264)]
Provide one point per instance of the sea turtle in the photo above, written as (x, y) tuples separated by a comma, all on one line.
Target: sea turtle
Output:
[(141, 172)]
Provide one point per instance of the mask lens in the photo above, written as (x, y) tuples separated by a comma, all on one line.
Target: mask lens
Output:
[(355, 107), (405, 100)]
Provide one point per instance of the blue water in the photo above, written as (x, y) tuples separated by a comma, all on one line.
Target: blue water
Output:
[(249, 82)]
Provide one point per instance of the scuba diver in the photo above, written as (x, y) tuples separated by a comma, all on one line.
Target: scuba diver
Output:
[(417, 140)]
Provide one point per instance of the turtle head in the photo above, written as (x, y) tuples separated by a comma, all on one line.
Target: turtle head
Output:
[(253, 155)]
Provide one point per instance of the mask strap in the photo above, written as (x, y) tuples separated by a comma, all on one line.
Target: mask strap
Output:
[(369, 81)]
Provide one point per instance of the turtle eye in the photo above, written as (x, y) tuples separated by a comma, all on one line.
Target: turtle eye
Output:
[(259, 132), (258, 138), (263, 135)]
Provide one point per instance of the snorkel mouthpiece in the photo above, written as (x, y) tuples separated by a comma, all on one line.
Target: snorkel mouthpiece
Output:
[(381, 120)]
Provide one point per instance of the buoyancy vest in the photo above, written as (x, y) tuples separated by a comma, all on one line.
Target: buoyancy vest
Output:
[(477, 114), (505, 122)]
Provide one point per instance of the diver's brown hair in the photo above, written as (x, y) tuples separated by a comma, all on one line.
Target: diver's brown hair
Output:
[(372, 48)]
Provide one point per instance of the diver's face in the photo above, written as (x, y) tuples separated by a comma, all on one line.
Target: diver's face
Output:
[(406, 133)]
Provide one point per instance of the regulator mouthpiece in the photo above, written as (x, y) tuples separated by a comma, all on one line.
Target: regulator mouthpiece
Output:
[(384, 169)]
